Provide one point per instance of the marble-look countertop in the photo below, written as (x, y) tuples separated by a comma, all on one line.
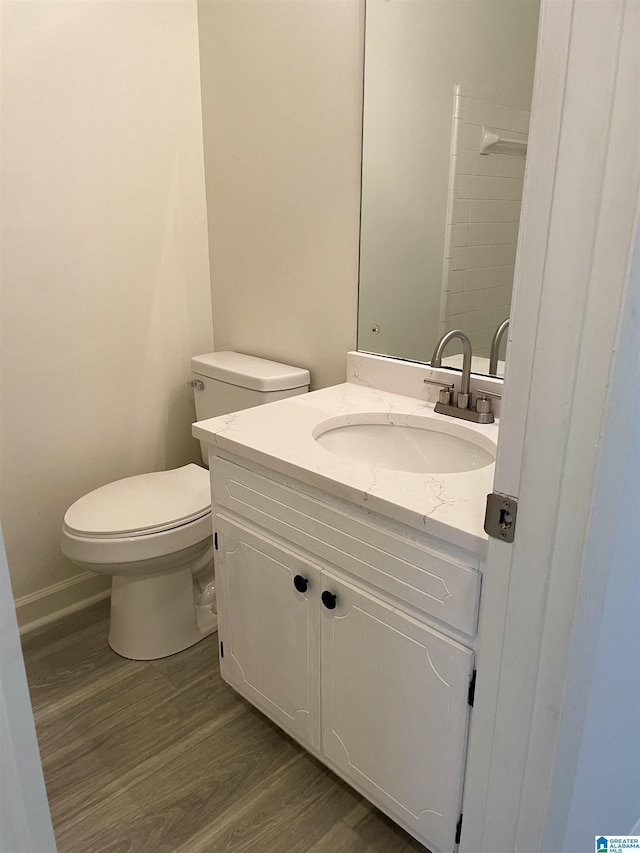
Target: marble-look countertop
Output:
[(279, 436)]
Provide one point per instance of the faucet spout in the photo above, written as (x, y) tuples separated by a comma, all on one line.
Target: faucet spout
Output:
[(495, 346), (482, 413), (436, 361)]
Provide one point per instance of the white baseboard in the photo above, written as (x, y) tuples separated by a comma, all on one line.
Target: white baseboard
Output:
[(53, 602)]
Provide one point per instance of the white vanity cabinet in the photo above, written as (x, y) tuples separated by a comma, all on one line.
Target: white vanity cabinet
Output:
[(394, 710), (342, 653), (269, 631)]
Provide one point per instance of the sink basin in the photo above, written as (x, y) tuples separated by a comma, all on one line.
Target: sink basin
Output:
[(420, 445)]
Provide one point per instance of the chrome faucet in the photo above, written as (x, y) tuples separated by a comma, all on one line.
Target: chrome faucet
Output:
[(495, 347), (482, 413)]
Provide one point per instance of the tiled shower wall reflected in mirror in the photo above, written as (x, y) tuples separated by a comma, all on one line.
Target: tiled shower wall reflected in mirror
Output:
[(483, 215)]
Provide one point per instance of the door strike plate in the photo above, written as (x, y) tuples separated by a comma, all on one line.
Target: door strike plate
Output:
[(500, 517)]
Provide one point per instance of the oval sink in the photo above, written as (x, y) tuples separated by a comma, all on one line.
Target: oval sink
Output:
[(418, 445)]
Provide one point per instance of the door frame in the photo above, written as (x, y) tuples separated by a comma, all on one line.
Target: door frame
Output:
[(25, 820), (578, 232)]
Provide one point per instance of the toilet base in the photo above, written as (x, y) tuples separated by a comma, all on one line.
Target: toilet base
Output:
[(155, 616)]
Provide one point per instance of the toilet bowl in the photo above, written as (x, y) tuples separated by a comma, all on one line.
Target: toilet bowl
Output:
[(152, 533)]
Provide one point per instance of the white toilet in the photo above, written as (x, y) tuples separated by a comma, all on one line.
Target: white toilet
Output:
[(153, 533)]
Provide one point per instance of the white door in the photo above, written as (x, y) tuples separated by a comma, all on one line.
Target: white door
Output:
[(573, 289), (269, 627), (25, 822), (395, 711)]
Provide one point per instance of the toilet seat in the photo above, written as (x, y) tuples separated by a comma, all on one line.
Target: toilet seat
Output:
[(143, 504), (139, 518)]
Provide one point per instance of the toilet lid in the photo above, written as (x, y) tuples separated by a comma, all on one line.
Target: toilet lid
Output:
[(146, 502)]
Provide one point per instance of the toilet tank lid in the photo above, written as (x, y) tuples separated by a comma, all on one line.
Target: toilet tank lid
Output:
[(247, 371)]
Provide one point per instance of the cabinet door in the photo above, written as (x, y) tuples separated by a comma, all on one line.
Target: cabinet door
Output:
[(394, 709), (270, 629)]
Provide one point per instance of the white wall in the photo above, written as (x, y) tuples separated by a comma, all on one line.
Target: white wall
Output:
[(282, 92), (105, 278), (416, 53)]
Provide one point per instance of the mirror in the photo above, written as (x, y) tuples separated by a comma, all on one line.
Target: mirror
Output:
[(447, 98)]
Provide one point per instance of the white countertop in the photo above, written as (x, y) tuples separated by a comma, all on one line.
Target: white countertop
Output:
[(279, 436)]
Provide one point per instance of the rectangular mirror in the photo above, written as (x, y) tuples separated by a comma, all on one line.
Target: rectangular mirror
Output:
[(447, 98)]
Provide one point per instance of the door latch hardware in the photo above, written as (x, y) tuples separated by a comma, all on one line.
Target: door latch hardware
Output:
[(500, 517), (471, 695)]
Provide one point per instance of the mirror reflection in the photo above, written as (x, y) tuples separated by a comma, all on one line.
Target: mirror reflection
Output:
[(447, 99)]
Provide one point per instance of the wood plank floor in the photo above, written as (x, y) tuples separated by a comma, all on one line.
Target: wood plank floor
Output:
[(164, 756)]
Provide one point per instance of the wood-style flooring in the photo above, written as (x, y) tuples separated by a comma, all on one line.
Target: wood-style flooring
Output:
[(163, 756)]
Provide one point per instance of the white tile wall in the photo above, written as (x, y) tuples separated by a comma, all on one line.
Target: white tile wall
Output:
[(482, 219)]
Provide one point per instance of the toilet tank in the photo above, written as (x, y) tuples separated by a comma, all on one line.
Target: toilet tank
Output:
[(226, 382)]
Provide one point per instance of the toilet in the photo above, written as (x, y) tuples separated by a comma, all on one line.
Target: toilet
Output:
[(152, 533)]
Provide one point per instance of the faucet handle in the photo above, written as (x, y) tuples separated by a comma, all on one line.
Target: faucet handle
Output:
[(448, 385), (483, 404), (444, 395)]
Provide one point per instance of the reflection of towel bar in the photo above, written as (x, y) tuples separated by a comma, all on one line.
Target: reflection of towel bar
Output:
[(493, 142)]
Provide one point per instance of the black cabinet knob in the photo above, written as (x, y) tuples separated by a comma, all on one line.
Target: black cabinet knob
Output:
[(300, 583), (329, 600)]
